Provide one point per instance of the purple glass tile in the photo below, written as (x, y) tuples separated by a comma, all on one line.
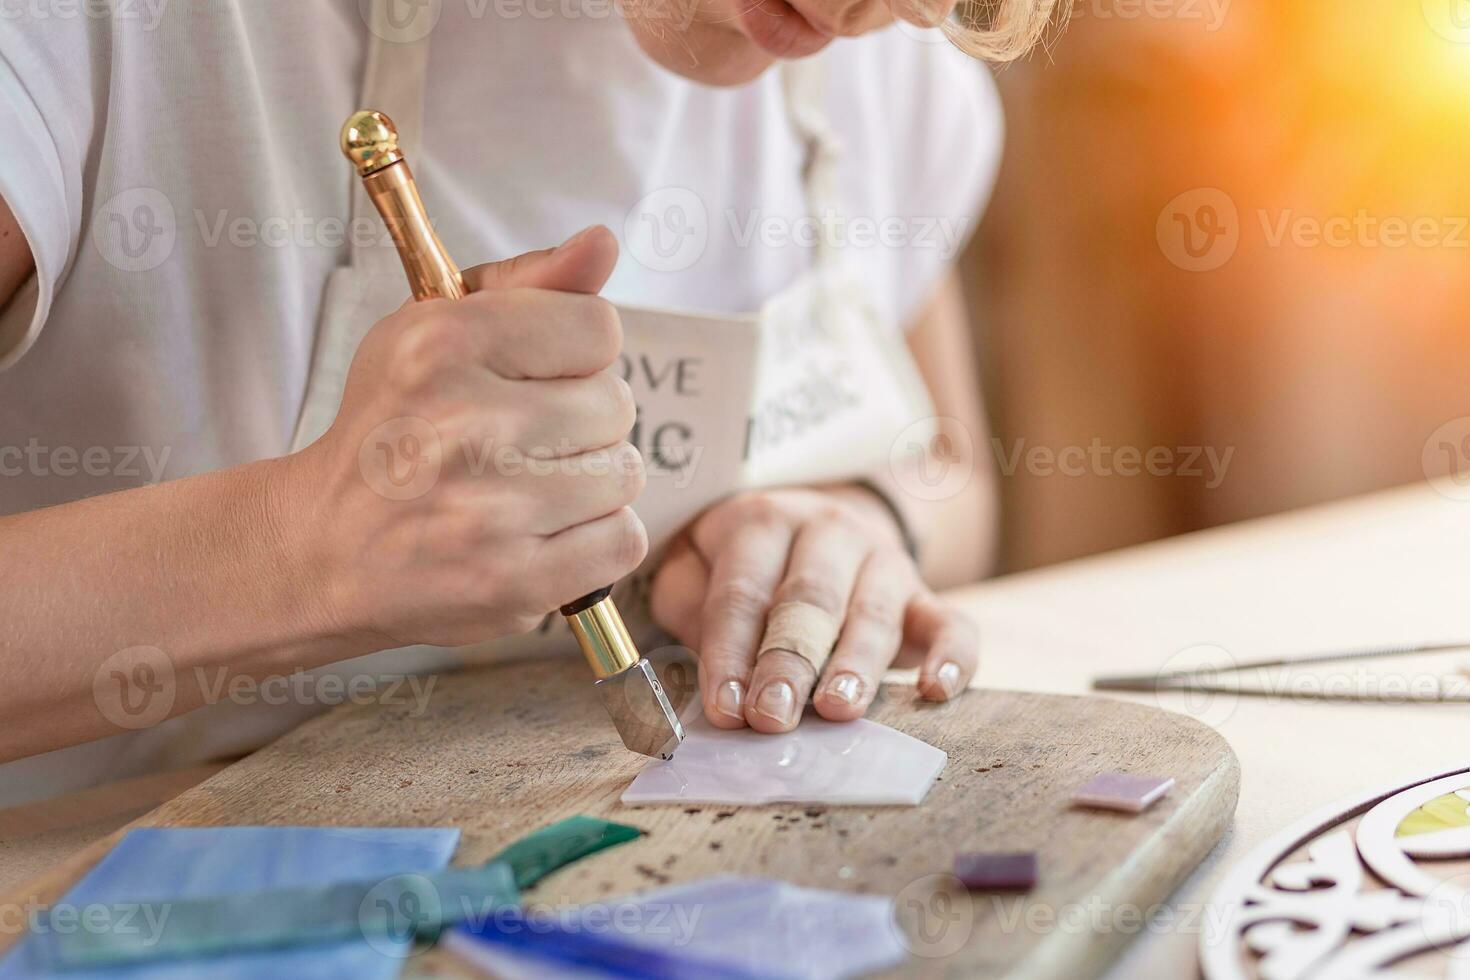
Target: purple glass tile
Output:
[(1123, 791), (997, 872), (728, 926)]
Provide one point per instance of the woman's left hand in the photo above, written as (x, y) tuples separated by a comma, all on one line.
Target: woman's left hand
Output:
[(837, 549)]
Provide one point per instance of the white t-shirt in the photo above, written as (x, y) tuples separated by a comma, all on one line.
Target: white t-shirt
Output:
[(175, 170)]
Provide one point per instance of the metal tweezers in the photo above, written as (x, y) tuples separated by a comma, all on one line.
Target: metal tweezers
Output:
[(1205, 679)]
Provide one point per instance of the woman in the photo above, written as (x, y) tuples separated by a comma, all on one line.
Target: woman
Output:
[(203, 359)]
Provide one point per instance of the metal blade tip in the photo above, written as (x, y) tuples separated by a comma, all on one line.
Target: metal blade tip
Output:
[(641, 712)]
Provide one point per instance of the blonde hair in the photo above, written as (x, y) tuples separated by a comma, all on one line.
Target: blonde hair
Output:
[(1003, 30)]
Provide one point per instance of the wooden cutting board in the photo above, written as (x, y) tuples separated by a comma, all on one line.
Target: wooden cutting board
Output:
[(503, 750)]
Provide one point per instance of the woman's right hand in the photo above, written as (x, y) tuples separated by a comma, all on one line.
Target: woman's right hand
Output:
[(477, 474)]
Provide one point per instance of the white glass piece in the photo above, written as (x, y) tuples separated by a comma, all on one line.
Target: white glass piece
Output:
[(855, 763)]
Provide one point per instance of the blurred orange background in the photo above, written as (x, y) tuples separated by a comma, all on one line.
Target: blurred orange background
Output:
[(1314, 326)]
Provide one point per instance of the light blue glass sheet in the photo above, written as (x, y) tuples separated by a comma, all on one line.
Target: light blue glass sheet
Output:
[(196, 862)]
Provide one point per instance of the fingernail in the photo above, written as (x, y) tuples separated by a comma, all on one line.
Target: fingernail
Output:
[(949, 678), (730, 700), (777, 702), (846, 687), (576, 238)]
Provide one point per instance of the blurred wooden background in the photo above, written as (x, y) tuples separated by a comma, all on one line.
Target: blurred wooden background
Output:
[(1322, 366)]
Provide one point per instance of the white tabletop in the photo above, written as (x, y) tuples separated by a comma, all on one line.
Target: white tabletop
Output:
[(1392, 568)]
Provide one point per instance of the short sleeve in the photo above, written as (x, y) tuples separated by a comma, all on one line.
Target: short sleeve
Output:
[(46, 112), (922, 131)]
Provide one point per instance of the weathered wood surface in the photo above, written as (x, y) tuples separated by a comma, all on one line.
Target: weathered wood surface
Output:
[(503, 750)]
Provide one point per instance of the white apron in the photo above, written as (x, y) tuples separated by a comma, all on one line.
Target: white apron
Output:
[(811, 389)]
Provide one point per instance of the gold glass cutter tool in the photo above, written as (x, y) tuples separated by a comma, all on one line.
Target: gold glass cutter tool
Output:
[(628, 685), (1206, 680)]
